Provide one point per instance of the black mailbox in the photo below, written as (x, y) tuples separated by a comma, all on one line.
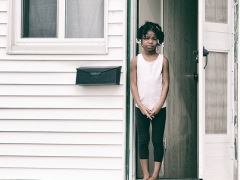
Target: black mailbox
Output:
[(102, 75)]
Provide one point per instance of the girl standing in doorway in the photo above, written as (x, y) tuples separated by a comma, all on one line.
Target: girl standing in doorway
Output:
[(149, 87)]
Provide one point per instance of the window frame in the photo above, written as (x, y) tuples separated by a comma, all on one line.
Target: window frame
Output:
[(60, 45)]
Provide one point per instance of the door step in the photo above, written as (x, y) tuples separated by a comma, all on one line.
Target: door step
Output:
[(175, 179), (180, 179)]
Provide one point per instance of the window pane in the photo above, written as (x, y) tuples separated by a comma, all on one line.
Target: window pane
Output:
[(216, 93), (84, 19), (39, 18), (216, 11)]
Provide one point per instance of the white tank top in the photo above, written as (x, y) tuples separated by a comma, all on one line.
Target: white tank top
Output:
[(149, 81)]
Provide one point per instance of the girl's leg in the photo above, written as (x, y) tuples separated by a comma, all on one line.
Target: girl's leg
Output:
[(143, 123), (157, 167), (158, 126), (144, 165)]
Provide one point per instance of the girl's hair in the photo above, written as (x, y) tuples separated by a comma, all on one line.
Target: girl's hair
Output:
[(150, 26)]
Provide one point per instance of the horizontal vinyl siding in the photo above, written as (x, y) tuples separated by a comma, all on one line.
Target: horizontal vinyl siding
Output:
[(51, 128), (3, 16), (3, 6), (65, 174), (2, 41), (3, 29), (51, 66), (40, 78), (60, 90), (102, 102), (61, 162), (115, 5), (115, 17), (63, 113), (61, 125), (60, 138), (82, 150)]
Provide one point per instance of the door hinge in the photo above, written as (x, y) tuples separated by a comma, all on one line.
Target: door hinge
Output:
[(232, 153), (165, 143)]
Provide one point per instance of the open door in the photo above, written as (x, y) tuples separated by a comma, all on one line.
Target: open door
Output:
[(180, 28), (215, 90), (179, 21)]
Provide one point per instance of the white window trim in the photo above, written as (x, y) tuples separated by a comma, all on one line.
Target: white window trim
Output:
[(60, 45)]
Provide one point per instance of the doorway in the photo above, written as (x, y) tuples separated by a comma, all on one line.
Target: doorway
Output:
[(179, 21)]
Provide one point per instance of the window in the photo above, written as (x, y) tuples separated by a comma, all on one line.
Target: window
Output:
[(57, 27)]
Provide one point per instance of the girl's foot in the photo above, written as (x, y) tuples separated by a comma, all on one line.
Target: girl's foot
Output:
[(153, 178), (146, 178)]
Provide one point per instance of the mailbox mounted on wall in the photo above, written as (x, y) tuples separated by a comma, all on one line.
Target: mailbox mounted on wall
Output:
[(101, 75)]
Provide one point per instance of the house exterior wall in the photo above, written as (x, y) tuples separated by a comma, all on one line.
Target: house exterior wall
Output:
[(236, 30), (51, 128)]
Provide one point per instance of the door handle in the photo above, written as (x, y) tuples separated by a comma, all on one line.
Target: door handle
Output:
[(205, 54)]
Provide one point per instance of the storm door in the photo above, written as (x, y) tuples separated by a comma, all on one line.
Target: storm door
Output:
[(215, 90)]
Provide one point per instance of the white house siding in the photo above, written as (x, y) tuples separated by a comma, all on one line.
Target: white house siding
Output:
[(51, 128)]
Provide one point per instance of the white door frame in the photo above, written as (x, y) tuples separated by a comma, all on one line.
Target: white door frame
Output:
[(132, 138), (201, 101), (201, 92)]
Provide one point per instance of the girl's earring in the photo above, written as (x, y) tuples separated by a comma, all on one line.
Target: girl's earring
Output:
[(138, 41)]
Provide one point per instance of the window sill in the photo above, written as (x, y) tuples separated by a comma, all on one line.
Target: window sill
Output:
[(58, 48)]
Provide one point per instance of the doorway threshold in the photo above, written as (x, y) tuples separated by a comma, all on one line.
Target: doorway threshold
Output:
[(175, 179)]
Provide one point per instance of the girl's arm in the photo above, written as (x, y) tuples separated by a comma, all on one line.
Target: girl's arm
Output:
[(165, 88), (134, 90)]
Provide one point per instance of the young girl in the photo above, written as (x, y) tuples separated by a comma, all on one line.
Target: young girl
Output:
[(149, 86)]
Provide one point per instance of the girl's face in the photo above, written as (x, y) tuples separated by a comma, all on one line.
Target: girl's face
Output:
[(150, 41)]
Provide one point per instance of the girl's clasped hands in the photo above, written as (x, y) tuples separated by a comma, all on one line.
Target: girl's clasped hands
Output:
[(149, 113)]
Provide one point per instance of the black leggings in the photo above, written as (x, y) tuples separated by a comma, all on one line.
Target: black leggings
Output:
[(158, 125)]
